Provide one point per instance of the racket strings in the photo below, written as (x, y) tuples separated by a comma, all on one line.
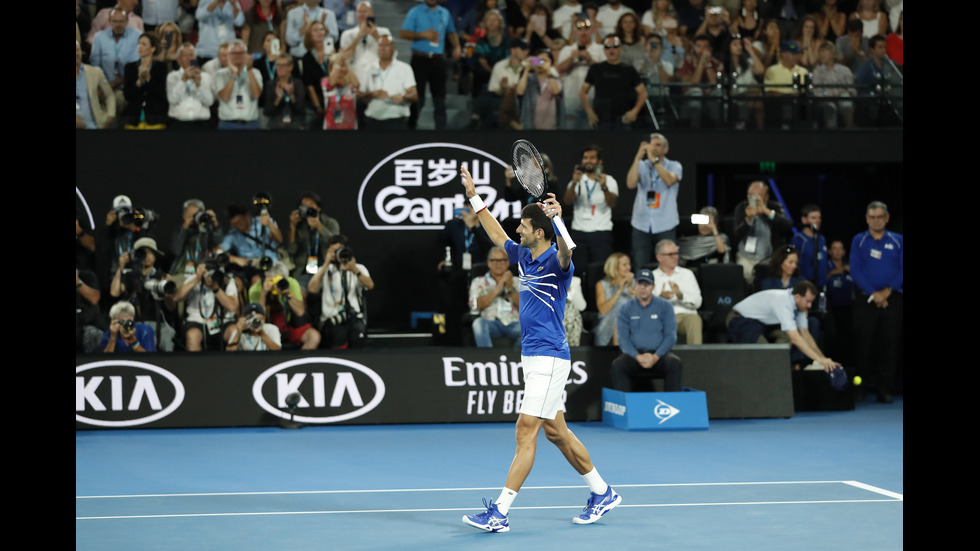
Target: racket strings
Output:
[(529, 170)]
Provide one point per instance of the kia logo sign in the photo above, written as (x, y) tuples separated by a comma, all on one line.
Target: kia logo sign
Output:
[(124, 393), (336, 388), (419, 187)]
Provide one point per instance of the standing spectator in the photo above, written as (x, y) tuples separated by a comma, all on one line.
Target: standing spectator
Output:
[(339, 90), (145, 88), (611, 292), (831, 23), (809, 41), (390, 90), (840, 301), (171, 39), (344, 11), (310, 229), (743, 67), (708, 246), (540, 32), (808, 241), (103, 18), (429, 26), (284, 97), (495, 297), (190, 92), (873, 20), (563, 18), (211, 66), (540, 90), (833, 80), (282, 298), (767, 44), (656, 180), (238, 87), (853, 46), (656, 71), (95, 102), (699, 72), (504, 78), (263, 17), (877, 258), (574, 62), (896, 42), (157, 12), (359, 43), (574, 306), (216, 23), (253, 332), (608, 15), (593, 195), (634, 49), (652, 21), (490, 49), (299, 21), (761, 227), (125, 334), (746, 20), (112, 49), (619, 92), (648, 330), (316, 64), (678, 286)]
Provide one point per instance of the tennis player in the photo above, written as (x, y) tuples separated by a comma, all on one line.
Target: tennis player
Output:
[(545, 272)]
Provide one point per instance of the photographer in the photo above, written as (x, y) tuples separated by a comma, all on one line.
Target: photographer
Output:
[(341, 281), (150, 290), (124, 224), (593, 195), (309, 230), (282, 297), (198, 235), (253, 333), (252, 236), (124, 334), (211, 304)]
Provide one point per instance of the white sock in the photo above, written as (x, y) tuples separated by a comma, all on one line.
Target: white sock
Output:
[(505, 500), (596, 483)]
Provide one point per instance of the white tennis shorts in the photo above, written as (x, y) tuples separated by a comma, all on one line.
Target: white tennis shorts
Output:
[(544, 385)]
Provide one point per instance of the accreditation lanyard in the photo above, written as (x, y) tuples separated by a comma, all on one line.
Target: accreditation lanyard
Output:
[(588, 191)]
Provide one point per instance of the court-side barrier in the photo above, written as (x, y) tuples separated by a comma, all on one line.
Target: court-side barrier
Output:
[(418, 385)]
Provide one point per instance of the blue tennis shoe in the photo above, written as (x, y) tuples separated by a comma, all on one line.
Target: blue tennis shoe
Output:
[(492, 520), (598, 505)]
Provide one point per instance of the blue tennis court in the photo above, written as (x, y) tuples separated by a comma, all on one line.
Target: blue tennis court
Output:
[(820, 480)]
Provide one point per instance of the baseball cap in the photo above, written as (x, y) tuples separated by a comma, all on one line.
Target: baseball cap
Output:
[(789, 46), (520, 43), (147, 242), (838, 378), (645, 275), (121, 201), (254, 308)]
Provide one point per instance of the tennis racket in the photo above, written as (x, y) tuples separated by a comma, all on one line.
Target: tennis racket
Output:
[(533, 177)]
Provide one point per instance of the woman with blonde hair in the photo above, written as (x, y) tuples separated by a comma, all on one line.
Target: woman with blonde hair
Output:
[(611, 292), (340, 95), (170, 41)]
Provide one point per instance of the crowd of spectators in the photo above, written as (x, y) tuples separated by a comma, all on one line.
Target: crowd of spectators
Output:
[(546, 64)]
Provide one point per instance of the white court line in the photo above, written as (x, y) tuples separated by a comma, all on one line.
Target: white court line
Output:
[(429, 510), (396, 490), (870, 488)]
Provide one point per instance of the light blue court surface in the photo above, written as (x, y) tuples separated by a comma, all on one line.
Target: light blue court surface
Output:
[(828, 480)]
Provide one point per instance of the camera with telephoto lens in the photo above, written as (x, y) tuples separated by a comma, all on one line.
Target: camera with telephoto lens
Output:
[(203, 219), (126, 324), (216, 270), (307, 212), (142, 218), (262, 202), (344, 254), (280, 285), (254, 323), (158, 288)]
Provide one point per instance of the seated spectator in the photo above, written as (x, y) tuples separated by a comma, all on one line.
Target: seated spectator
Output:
[(656, 71), (699, 72), (389, 98), (125, 334), (779, 316), (679, 287), (784, 270), (190, 92), (611, 293), (253, 332), (283, 298), (263, 17), (809, 42), (647, 331), (542, 103), (495, 298), (708, 246), (540, 32), (874, 20), (574, 306), (211, 66), (238, 87), (211, 306), (272, 48), (783, 83), (492, 46), (339, 89), (768, 42), (608, 14), (145, 89), (95, 101), (896, 42), (742, 69), (341, 283), (504, 78), (310, 230), (216, 24), (148, 288), (833, 80), (761, 227), (284, 97), (853, 46), (103, 18)]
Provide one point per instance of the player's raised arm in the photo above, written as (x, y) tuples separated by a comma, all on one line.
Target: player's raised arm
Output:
[(552, 208), (494, 230)]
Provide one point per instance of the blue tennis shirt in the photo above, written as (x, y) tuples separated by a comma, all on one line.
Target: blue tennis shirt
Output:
[(543, 291)]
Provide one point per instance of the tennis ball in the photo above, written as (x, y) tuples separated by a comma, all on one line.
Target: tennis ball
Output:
[(857, 380)]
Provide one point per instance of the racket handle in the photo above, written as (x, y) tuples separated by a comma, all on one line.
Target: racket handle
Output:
[(563, 231)]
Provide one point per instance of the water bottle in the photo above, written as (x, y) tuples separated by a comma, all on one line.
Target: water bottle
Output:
[(447, 266)]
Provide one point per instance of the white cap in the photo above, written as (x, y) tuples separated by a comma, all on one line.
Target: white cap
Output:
[(121, 201)]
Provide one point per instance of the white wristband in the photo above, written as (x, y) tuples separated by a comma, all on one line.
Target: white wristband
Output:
[(477, 203)]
